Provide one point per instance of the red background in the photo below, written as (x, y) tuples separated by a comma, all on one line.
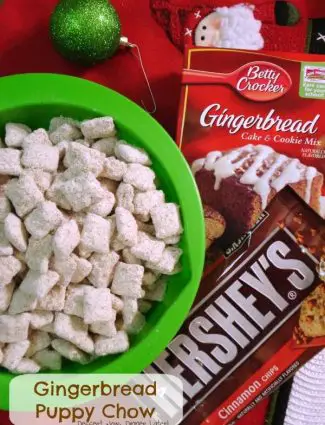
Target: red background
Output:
[(25, 47)]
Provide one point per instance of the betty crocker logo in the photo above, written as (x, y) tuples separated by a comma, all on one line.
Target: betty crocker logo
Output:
[(262, 81), (257, 81)]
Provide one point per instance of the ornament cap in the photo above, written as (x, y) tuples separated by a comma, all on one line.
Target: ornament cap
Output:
[(124, 42)]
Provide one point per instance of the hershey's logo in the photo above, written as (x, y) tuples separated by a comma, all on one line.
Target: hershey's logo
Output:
[(242, 312)]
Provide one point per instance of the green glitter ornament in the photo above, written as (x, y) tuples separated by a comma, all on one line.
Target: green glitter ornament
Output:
[(85, 31)]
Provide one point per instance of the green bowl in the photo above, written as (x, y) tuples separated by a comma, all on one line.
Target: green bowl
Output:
[(33, 99)]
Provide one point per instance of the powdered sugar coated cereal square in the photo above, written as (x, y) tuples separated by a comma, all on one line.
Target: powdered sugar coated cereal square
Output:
[(148, 248), (26, 366), (38, 341), (55, 194), (54, 300), (38, 253), (125, 196), (82, 159), (83, 269), (41, 319), (66, 239), (6, 296), (127, 280), (82, 191), (37, 137), (56, 122), (136, 325), (131, 154), (5, 207), (114, 169), (129, 311), (126, 226), (103, 266), (13, 354), (167, 262), (48, 359), (9, 268), (65, 268), (145, 201), (96, 233), (39, 284), (97, 305), (70, 351), (24, 194), (10, 162), (107, 328), (98, 128), (42, 220), (117, 344), (105, 206), (41, 157), (22, 302), (141, 177), (15, 134), (74, 302), (65, 131), (6, 248), (167, 221), (42, 178), (14, 328), (105, 146), (74, 330)]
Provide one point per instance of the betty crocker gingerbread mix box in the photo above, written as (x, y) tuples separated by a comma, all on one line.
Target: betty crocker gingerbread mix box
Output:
[(252, 127), (250, 124)]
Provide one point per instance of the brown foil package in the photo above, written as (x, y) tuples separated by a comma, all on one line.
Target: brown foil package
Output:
[(258, 317)]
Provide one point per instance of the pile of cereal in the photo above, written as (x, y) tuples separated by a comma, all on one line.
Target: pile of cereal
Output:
[(85, 239)]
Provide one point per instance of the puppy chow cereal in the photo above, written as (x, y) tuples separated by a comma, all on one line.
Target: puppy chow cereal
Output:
[(85, 239)]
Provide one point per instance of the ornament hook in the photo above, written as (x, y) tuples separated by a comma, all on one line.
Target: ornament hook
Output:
[(125, 42)]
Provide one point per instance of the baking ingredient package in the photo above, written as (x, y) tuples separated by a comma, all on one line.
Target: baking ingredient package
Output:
[(252, 127)]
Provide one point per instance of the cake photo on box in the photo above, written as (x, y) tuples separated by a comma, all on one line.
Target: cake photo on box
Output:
[(240, 183)]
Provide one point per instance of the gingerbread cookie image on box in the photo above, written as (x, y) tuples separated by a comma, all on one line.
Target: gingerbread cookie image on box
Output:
[(240, 183)]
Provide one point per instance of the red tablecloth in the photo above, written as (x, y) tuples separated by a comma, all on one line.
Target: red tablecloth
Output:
[(25, 47)]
